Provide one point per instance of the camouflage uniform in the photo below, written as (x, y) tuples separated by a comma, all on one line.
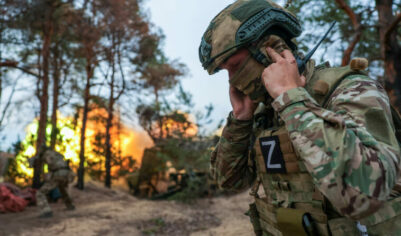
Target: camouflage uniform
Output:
[(348, 148), (338, 157), (59, 176)]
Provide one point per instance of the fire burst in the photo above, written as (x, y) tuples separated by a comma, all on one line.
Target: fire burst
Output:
[(128, 144)]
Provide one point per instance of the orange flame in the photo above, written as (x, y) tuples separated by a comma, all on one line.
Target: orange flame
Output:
[(188, 130), (127, 143)]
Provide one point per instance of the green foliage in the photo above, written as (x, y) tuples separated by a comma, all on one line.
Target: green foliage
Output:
[(110, 49), (13, 174), (318, 14), (196, 186), (182, 148), (189, 154), (190, 157), (19, 170)]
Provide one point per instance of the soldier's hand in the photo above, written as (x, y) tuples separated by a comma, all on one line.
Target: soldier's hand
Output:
[(282, 75), (243, 107)]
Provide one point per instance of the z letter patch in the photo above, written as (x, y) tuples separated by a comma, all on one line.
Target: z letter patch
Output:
[(272, 154)]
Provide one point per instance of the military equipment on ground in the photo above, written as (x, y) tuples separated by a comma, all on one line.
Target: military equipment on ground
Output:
[(163, 174), (147, 180)]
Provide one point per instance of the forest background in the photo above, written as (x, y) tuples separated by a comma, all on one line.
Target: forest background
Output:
[(90, 70)]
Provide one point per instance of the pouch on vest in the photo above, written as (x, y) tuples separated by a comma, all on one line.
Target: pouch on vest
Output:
[(343, 227), (295, 222), (289, 188)]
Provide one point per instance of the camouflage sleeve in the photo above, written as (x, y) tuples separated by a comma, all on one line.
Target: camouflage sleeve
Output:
[(229, 161), (350, 149)]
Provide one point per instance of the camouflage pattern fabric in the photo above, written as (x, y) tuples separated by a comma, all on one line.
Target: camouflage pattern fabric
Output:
[(59, 176), (58, 179), (347, 144), (247, 78), (54, 160), (221, 35), (349, 148), (230, 165)]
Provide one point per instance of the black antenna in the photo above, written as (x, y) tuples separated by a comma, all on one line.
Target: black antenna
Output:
[(301, 63)]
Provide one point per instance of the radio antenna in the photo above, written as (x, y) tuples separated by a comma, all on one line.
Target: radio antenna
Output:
[(302, 62)]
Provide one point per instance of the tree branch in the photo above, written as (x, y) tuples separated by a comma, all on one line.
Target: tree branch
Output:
[(122, 76), (347, 53), (14, 64), (353, 17), (357, 27), (8, 64), (392, 27), (4, 112)]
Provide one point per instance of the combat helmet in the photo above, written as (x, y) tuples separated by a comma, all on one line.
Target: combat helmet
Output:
[(240, 25)]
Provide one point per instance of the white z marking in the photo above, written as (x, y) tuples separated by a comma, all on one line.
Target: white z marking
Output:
[(272, 145)]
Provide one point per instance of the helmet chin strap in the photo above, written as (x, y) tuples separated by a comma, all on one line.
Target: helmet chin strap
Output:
[(259, 56)]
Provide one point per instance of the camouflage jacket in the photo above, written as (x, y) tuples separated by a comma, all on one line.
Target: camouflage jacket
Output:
[(54, 160), (349, 146)]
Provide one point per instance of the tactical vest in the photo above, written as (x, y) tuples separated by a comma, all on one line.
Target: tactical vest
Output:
[(292, 204), (55, 161)]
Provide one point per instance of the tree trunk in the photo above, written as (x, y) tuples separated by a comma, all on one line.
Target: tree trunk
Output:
[(81, 170), (1, 83), (119, 155), (357, 28), (1, 69), (390, 49), (44, 97), (109, 124), (56, 92), (160, 120)]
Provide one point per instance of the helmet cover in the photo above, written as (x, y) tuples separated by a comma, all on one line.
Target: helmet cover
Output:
[(242, 23)]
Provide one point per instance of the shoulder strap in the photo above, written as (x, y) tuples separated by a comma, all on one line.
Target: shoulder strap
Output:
[(325, 81)]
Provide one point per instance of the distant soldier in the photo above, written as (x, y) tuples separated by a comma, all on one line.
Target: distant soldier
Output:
[(60, 175)]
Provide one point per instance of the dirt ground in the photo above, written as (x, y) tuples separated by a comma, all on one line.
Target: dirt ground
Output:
[(102, 211)]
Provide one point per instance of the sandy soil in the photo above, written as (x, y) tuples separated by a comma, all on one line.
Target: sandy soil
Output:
[(102, 211)]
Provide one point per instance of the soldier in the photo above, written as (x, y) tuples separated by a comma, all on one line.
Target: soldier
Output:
[(60, 175), (321, 144)]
